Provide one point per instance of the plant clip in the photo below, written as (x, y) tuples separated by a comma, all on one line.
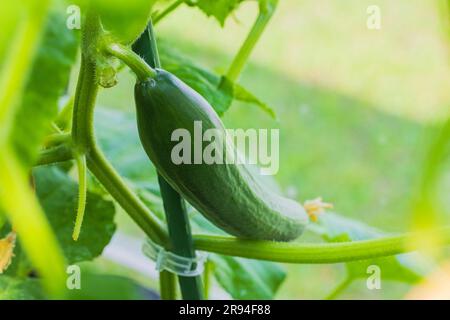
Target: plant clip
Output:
[(166, 260)]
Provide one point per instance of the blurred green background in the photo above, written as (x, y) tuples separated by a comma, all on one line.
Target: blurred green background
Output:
[(356, 107)]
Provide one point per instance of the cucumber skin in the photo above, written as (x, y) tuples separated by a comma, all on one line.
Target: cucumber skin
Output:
[(226, 194)]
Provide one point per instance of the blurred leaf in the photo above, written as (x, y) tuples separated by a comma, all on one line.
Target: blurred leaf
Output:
[(128, 156), (124, 19), (96, 286), (9, 17), (242, 94), (335, 228), (93, 286), (216, 89), (58, 194), (48, 79), (20, 289), (219, 9), (248, 279)]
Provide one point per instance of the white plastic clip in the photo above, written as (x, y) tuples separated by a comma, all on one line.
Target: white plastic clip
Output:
[(166, 260)]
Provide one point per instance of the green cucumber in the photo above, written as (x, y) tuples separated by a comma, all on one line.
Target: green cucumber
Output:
[(228, 195)]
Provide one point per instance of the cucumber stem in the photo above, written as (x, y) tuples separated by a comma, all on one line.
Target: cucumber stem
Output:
[(320, 253), (142, 70), (167, 285), (85, 143), (53, 155), (82, 192), (55, 139)]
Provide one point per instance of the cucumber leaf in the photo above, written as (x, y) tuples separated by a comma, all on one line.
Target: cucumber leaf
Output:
[(47, 81), (20, 289), (219, 9), (216, 89), (58, 194), (246, 279), (93, 286), (124, 20)]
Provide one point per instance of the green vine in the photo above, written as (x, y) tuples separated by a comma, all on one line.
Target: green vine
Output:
[(311, 253), (84, 141), (266, 11), (82, 192)]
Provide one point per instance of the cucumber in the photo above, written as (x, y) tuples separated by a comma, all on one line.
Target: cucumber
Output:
[(228, 195)]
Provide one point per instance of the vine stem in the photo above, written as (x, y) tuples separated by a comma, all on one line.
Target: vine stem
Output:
[(167, 285), (84, 141), (321, 253), (56, 139), (265, 14), (53, 155), (142, 70), (167, 10), (82, 192)]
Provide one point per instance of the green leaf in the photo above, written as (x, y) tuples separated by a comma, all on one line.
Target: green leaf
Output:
[(216, 89), (20, 289), (242, 94), (9, 18), (128, 156), (335, 228), (96, 286), (125, 20), (58, 193), (48, 79), (219, 9), (93, 286), (248, 279), (201, 80)]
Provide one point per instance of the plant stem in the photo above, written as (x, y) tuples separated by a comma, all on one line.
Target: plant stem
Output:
[(321, 253), (55, 139), (167, 285), (249, 44), (167, 10), (174, 207), (53, 155), (82, 192), (64, 119), (180, 237), (84, 141), (142, 70), (83, 109), (207, 278)]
